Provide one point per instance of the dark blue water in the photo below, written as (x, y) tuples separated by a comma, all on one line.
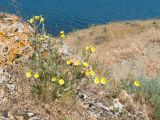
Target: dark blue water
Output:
[(69, 15)]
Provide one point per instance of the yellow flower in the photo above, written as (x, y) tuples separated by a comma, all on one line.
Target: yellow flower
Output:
[(36, 75), (96, 80), (62, 32), (87, 47), (41, 38), (31, 20), (68, 62), (62, 35), (36, 17), (92, 72), (46, 36), (85, 64), (42, 20), (87, 73), (54, 79), (76, 63), (93, 49), (61, 81), (137, 83), (28, 74), (103, 80)]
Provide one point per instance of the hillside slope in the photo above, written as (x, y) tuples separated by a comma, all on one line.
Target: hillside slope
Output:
[(124, 47), (25, 96)]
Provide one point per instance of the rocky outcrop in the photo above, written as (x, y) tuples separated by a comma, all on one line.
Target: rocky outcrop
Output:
[(14, 35)]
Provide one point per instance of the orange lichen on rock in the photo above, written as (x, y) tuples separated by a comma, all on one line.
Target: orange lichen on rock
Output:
[(14, 39)]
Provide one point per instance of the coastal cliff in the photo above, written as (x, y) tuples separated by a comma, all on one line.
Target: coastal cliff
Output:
[(121, 48)]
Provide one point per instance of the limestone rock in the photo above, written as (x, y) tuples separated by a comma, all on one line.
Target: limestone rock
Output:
[(127, 100)]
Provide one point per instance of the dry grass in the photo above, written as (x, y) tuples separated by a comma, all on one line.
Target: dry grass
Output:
[(124, 47), (112, 31), (118, 42)]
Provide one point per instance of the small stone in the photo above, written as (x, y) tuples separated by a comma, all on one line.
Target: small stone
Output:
[(92, 116), (101, 93), (19, 117), (118, 105), (19, 26), (11, 87), (85, 106), (30, 114), (17, 39), (10, 34), (2, 92), (4, 76), (34, 118), (10, 116), (4, 118)]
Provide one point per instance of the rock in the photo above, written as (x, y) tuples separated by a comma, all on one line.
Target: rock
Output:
[(92, 116), (11, 87), (30, 114), (135, 110), (19, 117), (10, 34), (4, 118), (64, 49), (2, 92), (127, 100), (35, 118), (47, 106), (4, 76), (14, 35), (117, 105), (19, 27), (10, 116)]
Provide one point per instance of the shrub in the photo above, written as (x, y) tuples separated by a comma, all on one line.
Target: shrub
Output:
[(149, 89), (55, 73)]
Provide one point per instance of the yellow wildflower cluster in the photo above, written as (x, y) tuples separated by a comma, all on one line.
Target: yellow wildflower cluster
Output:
[(85, 64), (103, 80), (90, 48), (90, 73), (29, 74), (76, 63), (55, 76), (43, 37), (36, 19), (62, 34), (60, 81)]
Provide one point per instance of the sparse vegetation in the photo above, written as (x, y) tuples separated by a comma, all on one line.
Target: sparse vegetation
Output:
[(55, 74), (147, 89)]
